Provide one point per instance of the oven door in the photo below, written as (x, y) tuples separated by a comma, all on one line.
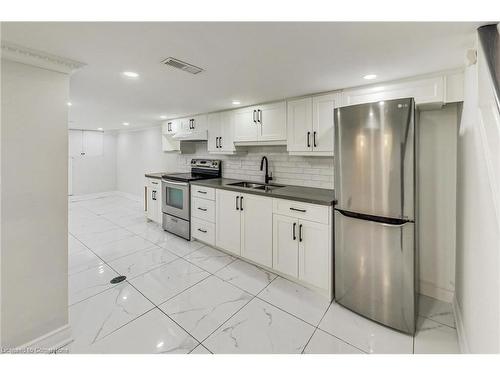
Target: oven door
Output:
[(176, 199)]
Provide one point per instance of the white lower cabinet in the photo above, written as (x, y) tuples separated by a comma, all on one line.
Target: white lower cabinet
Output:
[(315, 253), (227, 220), (285, 249), (293, 238), (303, 249), (244, 225), (153, 208), (257, 229)]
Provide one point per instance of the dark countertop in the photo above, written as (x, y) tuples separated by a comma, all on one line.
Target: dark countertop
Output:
[(155, 175), (325, 197)]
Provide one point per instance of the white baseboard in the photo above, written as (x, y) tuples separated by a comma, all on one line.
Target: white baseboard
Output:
[(49, 342), (462, 339), (432, 290)]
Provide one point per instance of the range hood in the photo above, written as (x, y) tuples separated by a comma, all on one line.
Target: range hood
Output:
[(201, 135)]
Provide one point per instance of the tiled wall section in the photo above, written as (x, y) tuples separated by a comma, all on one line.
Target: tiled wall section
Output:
[(291, 170)]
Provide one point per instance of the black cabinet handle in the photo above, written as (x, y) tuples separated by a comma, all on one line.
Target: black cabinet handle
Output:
[(314, 139), (241, 203), (293, 232), (237, 208), (153, 195), (202, 209), (254, 111), (297, 209), (216, 142), (259, 116), (202, 192), (220, 142), (308, 139), (300, 232), (202, 231)]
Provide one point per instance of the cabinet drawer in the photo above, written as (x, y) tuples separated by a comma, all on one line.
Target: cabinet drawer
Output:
[(203, 192), (301, 210), (203, 209), (203, 230)]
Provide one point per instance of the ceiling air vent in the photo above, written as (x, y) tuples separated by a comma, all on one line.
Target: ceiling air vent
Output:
[(178, 64)]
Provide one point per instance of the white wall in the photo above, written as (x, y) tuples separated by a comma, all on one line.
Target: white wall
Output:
[(137, 153), (95, 174), (477, 303), (437, 201), (34, 216)]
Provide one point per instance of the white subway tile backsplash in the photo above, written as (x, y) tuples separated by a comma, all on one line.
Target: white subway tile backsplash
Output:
[(289, 170)]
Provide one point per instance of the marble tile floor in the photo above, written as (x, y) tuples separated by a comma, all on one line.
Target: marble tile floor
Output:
[(185, 297)]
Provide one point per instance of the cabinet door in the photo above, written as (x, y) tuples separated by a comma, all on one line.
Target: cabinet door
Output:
[(245, 128), (227, 220), (151, 213), (299, 125), (323, 121), (272, 121), (214, 131), (257, 229), (155, 185), (285, 245), (198, 123), (183, 125), (315, 254), (227, 132)]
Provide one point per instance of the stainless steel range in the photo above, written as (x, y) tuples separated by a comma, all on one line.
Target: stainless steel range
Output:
[(176, 205)]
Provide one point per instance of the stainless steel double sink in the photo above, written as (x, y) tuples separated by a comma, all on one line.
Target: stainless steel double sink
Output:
[(256, 186)]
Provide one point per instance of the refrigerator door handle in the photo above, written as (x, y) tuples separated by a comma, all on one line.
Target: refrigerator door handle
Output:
[(386, 221)]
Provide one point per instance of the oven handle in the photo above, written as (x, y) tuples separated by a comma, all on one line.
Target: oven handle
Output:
[(176, 183)]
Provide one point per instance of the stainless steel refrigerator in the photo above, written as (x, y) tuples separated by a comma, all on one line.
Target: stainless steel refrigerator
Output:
[(375, 226)]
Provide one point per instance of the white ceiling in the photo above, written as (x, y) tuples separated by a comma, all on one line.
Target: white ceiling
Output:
[(251, 62)]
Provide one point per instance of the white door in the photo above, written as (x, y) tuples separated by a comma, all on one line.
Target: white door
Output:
[(257, 229), (246, 127), (75, 143), (227, 214), (214, 131), (285, 245), (323, 107), (272, 121), (315, 254), (93, 143), (151, 213), (227, 131), (155, 185), (299, 125)]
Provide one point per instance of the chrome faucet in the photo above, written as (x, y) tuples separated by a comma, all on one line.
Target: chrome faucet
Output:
[(268, 176)]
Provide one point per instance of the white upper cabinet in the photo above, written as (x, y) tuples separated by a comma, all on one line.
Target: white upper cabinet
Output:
[(430, 91), (245, 125), (271, 119), (221, 133), (265, 123), (299, 125), (310, 125), (170, 127), (323, 122)]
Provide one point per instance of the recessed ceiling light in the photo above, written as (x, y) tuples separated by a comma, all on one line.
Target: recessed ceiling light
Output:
[(126, 124), (236, 102), (99, 128), (69, 104), (163, 117), (131, 74), (370, 76)]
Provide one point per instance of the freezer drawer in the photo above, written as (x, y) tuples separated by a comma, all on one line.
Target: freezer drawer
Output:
[(374, 270)]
